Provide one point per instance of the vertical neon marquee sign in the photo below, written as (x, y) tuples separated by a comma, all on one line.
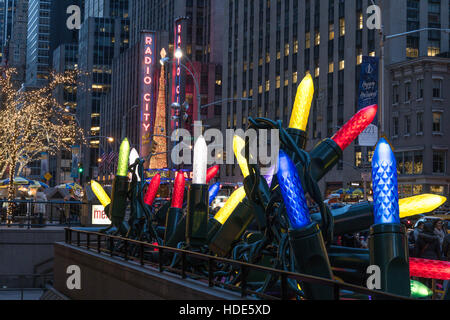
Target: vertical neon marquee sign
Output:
[(177, 91), (147, 95)]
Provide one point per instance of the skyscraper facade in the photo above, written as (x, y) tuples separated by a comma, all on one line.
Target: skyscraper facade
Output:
[(271, 45), (101, 39)]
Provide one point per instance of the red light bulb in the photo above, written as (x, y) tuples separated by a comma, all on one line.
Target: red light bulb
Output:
[(152, 190), (211, 173), (178, 191), (355, 126), (430, 269)]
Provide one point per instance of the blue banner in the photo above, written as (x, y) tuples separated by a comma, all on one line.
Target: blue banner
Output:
[(368, 84), (367, 96), (75, 160)]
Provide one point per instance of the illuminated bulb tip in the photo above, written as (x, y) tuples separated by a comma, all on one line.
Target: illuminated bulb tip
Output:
[(100, 193), (200, 161), (229, 206), (152, 189), (124, 154), (419, 290), (292, 192), (355, 126), (269, 175), (213, 192), (302, 104), (134, 155), (178, 191), (211, 173), (385, 185), (239, 152), (420, 204)]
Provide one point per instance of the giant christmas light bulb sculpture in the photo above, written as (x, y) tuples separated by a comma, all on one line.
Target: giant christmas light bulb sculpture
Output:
[(211, 173), (327, 153), (198, 208), (152, 190), (175, 212), (224, 213), (238, 148), (100, 193), (120, 189), (301, 110), (388, 232), (420, 204), (222, 235), (213, 192), (305, 237)]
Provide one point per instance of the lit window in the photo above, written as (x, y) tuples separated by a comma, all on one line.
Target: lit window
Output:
[(331, 67), (295, 46), (260, 89), (278, 55), (308, 40), (359, 59), (360, 21), (294, 77), (317, 39), (316, 72), (244, 93), (286, 49), (341, 65), (260, 61), (278, 82), (267, 85), (342, 27), (250, 92), (372, 54), (331, 32), (267, 57), (437, 122), (433, 49), (245, 66)]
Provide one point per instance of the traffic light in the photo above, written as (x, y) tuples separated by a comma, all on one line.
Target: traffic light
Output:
[(80, 168)]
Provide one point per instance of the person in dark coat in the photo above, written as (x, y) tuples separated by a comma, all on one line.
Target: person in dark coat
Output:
[(446, 248), (427, 245)]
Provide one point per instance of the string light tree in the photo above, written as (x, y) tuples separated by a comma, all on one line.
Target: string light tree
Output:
[(33, 121)]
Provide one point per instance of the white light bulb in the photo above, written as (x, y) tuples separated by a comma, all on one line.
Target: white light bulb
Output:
[(200, 161), (134, 155)]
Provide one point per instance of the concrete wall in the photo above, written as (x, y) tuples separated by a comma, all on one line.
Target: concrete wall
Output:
[(22, 249), (112, 279)]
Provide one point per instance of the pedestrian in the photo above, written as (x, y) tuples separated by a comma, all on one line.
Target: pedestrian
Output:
[(39, 206), (446, 248), (427, 245), (439, 231)]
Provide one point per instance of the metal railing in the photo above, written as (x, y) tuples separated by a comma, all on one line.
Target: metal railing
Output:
[(99, 242), (33, 214)]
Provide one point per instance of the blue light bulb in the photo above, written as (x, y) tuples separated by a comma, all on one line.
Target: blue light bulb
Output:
[(292, 191), (385, 185), (213, 191)]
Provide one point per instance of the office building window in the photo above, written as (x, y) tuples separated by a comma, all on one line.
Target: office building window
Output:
[(439, 159), (331, 31), (342, 27), (308, 40), (420, 89), (437, 88), (395, 126), (407, 125), (437, 122), (395, 95), (420, 122), (407, 91)]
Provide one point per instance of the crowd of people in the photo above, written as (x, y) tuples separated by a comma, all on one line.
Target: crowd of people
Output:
[(430, 240)]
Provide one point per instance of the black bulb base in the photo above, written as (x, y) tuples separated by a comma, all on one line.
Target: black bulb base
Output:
[(197, 215), (300, 137), (324, 157), (311, 258), (119, 196), (173, 217), (393, 263), (213, 227), (233, 229)]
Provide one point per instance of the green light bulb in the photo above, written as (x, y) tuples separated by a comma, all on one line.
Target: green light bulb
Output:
[(419, 290), (124, 153)]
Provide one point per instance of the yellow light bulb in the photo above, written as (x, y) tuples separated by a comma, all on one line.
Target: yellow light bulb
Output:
[(239, 149), (302, 104), (100, 193), (231, 204), (420, 204)]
